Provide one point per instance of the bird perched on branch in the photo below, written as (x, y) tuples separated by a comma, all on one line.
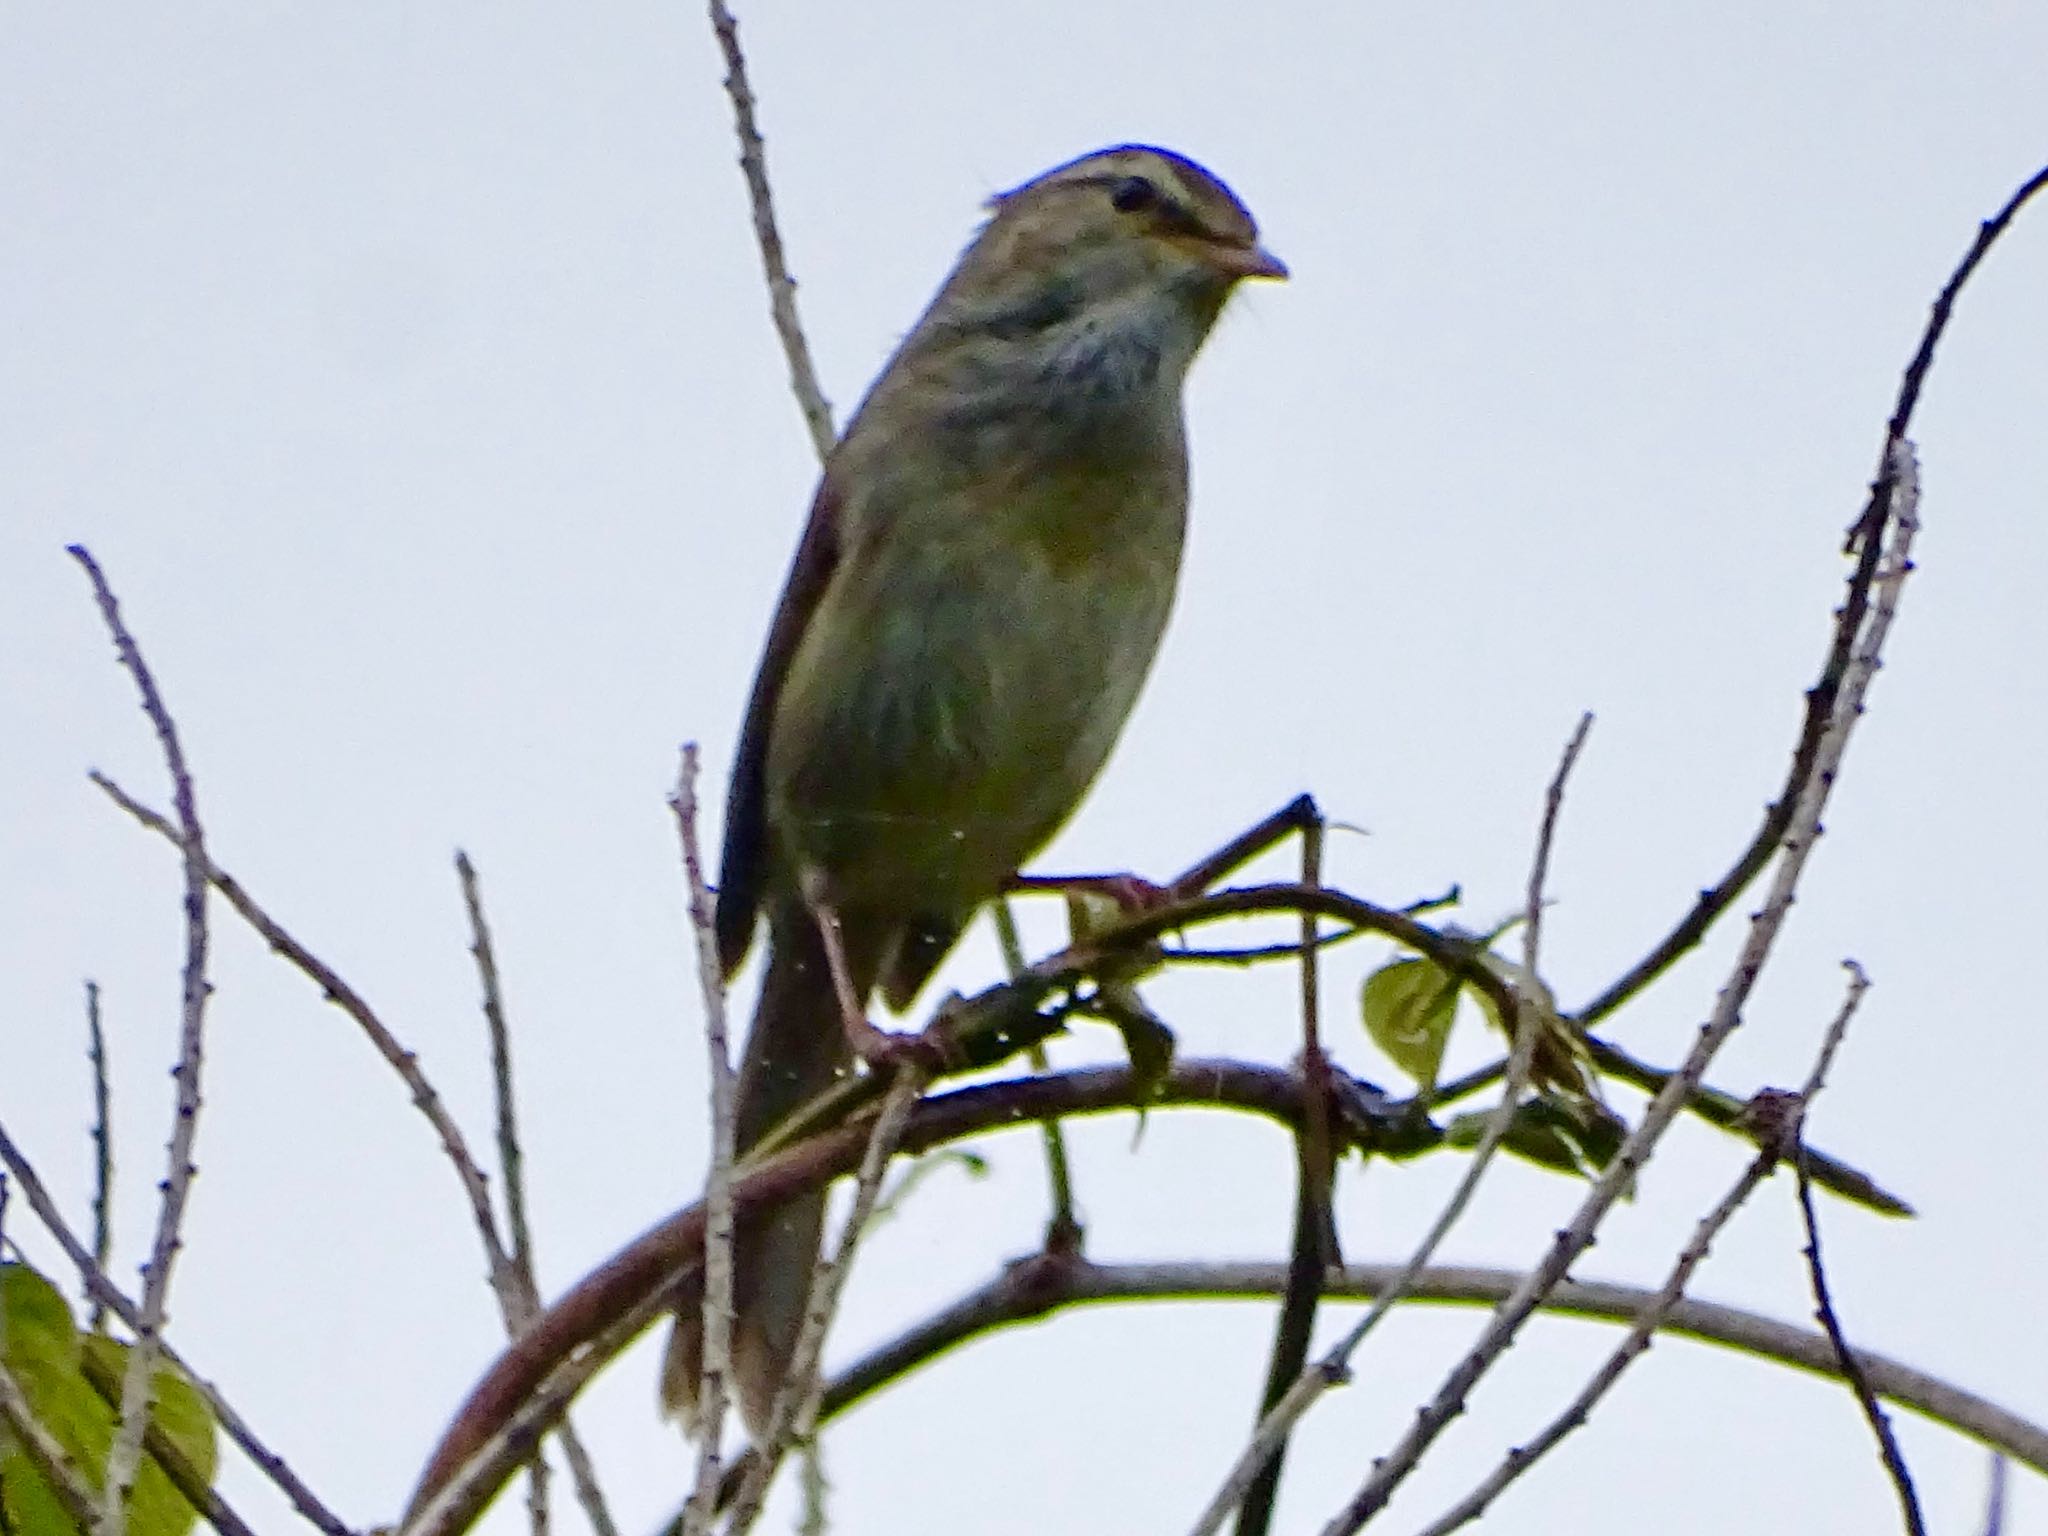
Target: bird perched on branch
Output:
[(973, 606)]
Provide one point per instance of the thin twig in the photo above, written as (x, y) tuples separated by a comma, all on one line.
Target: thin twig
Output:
[(1765, 926), (803, 373), (1539, 867), (1263, 834), (715, 1381), (1821, 698), (1778, 1112), (405, 1063), (1255, 954), (511, 1159), (511, 1163), (1994, 1497), (794, 1417), (1313, 1245), (102, 1148), (1063, 1226), (124, 1455), (1824, 1309), (103, 1289), (519, 1297)]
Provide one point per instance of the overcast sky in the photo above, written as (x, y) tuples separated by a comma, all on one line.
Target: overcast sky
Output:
[(408, 369)]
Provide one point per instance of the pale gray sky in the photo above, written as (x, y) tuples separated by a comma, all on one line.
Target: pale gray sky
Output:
[(408, 369)]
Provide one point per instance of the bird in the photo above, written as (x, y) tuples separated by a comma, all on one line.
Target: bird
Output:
[(972, 609)]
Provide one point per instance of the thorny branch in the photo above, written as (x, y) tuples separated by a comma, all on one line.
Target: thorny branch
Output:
[(138, 1386)]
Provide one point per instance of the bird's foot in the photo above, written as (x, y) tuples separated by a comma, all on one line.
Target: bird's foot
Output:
[(888, 1051)]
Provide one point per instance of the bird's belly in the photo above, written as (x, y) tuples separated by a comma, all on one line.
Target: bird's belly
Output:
[(935, 732)]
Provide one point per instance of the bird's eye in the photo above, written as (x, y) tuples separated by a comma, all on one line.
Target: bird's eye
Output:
[(1133, 194)]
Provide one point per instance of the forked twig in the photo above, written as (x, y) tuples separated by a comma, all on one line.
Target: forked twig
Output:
[(405, 1063), (1781, 1112)]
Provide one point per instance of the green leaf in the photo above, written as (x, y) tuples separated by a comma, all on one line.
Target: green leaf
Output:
[(1408, 1007), (57, 1370)]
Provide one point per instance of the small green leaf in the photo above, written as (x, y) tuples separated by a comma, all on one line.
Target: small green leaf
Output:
[(57, 1371), (1408, 1007)]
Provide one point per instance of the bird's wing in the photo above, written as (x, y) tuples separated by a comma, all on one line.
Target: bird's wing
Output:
[(744, 864)]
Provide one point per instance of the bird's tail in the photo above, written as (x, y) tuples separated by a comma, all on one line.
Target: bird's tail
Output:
[(795, 1050)]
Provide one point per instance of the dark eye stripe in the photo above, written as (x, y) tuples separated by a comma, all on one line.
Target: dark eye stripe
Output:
[(1133, 194)]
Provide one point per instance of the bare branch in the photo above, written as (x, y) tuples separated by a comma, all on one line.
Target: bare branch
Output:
[(102, 1145), (794, 1418), (337, 991), (520, 1301), (1313, 1247), (1036, 1286), (1994, 1497), (1851, 1368), (458, 1500), (1063, 1226), (124, 1455), (1779, 1115), (715, 1378), (1821, 699), (1824, 1308), (803, 374), (1539, 866), (1765, 926), (669, 1255)]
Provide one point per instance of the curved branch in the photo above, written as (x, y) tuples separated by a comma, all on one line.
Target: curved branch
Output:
[(1864, 542), (1034, 1287), (666, 1256)]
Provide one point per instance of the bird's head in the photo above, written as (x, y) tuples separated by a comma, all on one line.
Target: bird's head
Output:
[(1123, 223)]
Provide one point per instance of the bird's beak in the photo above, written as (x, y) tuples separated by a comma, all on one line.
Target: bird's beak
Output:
[(1246, 261)]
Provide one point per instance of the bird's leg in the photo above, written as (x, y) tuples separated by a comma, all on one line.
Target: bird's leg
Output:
[(879, 1049)]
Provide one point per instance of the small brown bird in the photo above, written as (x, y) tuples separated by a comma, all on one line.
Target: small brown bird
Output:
[(973, 607)]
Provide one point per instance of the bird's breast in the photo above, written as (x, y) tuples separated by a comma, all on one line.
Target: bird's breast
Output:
[(964, 678)]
